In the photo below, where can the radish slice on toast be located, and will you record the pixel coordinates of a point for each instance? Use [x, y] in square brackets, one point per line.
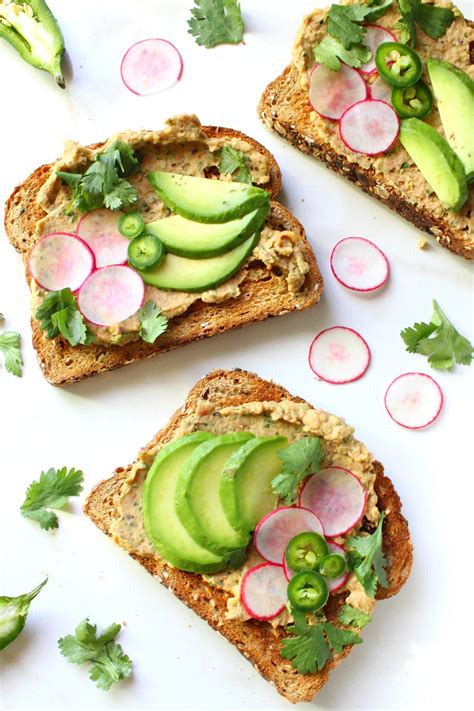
[381, 91]
[374, 36]
[100, 230]
[277, 528]
[333, 584]
[370, 127]
[339, 355]
[151, 66]
[337, 498]
[331, 93]
[111, 295]
[60, 260]
[358, 264]
[263, 591]
[414, 400]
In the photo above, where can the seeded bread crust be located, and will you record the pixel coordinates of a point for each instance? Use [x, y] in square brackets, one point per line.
[262, 295]
[257, 641]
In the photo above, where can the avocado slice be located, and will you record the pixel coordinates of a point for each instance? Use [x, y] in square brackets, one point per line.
[438, 163]
[162, 525]
[195, 275]
[454, 91]
[198, 502]
[245, 486]
[197, 240]
[204, 199]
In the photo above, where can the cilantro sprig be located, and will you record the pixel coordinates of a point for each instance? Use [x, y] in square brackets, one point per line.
[51, 491]
[108, 663]
[216, 22]
[233, 162]
[10, 347]
[439, 341]
[152, 322]
[353, 617]
[300, 459]
[433, 20]
[59, 315]
[367, 560]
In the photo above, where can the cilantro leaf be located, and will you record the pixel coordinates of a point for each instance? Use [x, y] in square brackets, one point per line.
[353, 617]
[10, 347]
[51, 491]
[152, 323]
[377, 9]
[300, 459]
[108, 662]
[216, 22]
[233, 161]
[433, 20]
[331, 52]
[439, 341]
[59, 314]
[366, 559]
[342, 23]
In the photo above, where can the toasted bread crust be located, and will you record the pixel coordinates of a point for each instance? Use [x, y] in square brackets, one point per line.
[257, 641]
[62, 363]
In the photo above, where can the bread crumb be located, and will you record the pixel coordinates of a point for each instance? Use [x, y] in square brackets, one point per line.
[422, 242]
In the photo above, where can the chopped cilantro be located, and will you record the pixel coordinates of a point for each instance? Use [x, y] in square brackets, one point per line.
[404, 165]
[366, 559]
[216, 22]
[59, 315]
[300, 459]
[331, 52]
[235, 163]
[353, 617]
[51, 491]
[433, 20]
[10, 347]
[152, 323]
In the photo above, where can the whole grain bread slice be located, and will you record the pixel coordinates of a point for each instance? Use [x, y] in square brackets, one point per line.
[257, 641]
[263, 293]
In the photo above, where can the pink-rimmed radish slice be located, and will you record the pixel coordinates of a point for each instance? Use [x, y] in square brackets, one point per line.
[276, 529]
[61, 260]
[337, 498]
[111, 295]
[263, 591]
[414, 400]
[150, 66]
[370, 127]
[374, 36]
[381, 91]
[359, 265]
[339, 355]
[333, 584]
[100, 230]
[331, 93]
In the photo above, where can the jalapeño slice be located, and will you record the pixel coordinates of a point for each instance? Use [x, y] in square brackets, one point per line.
[145, 251]
[398, 64]
[413, 101]
[305, 551]
[332, 565]
[308, 591]
[131, 225]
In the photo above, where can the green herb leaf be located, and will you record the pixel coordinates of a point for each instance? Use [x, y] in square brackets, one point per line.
[366, 559]
[108, 662]
[377, 9]
[300, 459]
[10, 347]
[59, 314]
[51, 491]
[216, 22]
[331, 52]
[342, 23]
[13, 614]
[439, 341]
[152, 323]
[433, 20]
[234, 162]
[353, 617]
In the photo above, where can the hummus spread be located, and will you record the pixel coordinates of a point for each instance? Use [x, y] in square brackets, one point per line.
[294, 421]
[182, 147]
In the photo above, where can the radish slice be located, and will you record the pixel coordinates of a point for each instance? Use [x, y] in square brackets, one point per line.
[60, 260]
[277, 528]
[333, 584]
[100, 230]
[151, 66]
[370, 127]
[381, 91]
[358, 264]
[374, 36]
[263, 591]
[111, 295]
[339, 355]
[337, 498]
[331, 93]
[414, 400]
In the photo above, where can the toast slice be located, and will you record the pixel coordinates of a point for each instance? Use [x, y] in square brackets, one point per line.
[258, 642]
[393, 179]
[263, 293]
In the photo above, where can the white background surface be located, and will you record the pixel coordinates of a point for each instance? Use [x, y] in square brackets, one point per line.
[415, 652]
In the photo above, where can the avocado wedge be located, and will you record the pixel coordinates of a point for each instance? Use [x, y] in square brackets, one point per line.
[438, 163]
[204, 199]
[454, 91]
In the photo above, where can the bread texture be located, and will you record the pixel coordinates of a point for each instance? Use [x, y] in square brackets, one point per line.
[257, 641]
[262, 295]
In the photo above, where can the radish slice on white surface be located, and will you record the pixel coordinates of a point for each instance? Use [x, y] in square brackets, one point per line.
[333, 584]
[358, 264]
[60, 260]
[370, 127]
[414, 400]
[151, 66]
[277, 528]
[331, 93]
[381, 91]
[111, 295]
[374, 36]
[339, 355]
[100, 230]
[337, 498]
[263, 591]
